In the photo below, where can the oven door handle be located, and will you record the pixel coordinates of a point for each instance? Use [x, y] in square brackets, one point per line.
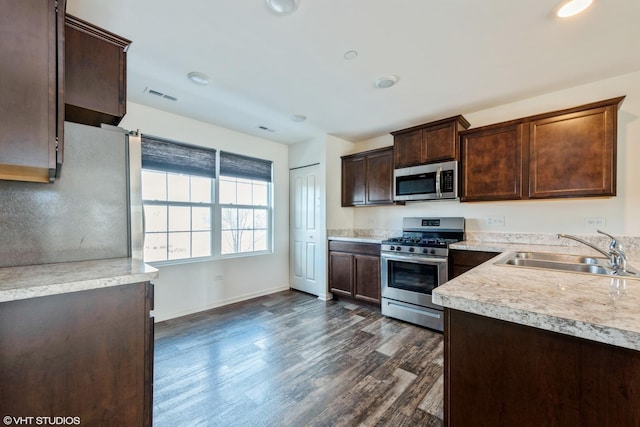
[414, 258]
[438, 189]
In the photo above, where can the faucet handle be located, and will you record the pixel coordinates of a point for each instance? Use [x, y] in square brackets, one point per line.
[614, 242]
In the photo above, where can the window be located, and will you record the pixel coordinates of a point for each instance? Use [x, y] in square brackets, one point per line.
[245, 204]
[191, 214]
[178, 212]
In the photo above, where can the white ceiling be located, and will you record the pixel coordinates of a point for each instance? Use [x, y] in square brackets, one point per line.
[452, 57]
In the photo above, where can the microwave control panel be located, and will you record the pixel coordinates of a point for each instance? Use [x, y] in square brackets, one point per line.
[446, 183]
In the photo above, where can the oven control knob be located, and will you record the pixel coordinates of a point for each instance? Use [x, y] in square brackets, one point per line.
[425, 251]
[398, 248]
[433, 251]
[392, 248]
[411, 249]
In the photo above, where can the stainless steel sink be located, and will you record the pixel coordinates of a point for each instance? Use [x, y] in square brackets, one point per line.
[564, 262]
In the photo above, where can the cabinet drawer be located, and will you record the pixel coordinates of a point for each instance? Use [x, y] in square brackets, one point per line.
[355, 247]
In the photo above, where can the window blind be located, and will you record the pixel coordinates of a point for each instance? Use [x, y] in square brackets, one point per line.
[170, 156]
[245, 167]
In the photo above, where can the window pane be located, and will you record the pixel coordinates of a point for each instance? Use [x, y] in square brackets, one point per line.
[179, 218]
[260, 193]
[178, 187]
[201, 244]
[260, 240]
[179, 245]
[155, 218]
[155, 247]
[246, 240]
[260, 218]
[244, 193]
[229, 242]
[154, 185]
[229, 218]
[200, 189]
[245, 218]
[200, 218]
[227, 192]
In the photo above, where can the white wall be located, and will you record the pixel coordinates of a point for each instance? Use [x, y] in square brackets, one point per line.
[622, 212]
[188, 288]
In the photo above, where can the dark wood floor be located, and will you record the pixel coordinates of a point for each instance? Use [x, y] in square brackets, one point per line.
[288, 359]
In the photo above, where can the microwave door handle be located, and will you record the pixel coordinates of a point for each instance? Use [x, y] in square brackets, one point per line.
[438, 189]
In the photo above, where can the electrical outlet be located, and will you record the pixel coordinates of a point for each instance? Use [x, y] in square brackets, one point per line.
[371, 221]
[595, 222]
[218, 277]
[495, 221]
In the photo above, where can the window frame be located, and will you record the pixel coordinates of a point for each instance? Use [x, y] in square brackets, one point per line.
[170, 203]
[270, 220]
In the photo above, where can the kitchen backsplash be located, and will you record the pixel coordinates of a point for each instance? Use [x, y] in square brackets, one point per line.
[631, 244]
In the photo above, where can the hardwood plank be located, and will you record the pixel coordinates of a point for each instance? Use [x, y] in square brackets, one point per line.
[289, 359]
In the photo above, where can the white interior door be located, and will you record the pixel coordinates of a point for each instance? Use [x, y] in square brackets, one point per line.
[306, 251]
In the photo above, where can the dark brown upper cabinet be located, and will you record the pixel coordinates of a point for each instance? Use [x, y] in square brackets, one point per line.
[31, 109]
[367, 178]
[567, 153]
[492, 166]
[574, 154]
[95, 74]
[428, 143]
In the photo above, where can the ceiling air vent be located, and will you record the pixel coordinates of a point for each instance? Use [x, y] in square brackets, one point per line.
[266, 129]
[160, 94]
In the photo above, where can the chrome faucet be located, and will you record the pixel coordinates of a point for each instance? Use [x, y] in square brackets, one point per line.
[617, 257]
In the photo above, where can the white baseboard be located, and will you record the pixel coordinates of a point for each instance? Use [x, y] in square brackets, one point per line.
[239, 298]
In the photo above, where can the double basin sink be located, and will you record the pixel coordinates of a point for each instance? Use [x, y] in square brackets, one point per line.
[563, 262]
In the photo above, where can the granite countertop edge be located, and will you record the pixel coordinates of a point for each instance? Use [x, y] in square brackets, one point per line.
[356, 239]
[31, 281]
[597, 308]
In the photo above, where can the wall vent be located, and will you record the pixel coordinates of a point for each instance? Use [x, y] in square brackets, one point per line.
[160, 94]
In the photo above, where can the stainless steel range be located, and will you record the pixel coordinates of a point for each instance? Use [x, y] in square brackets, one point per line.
[413, 265]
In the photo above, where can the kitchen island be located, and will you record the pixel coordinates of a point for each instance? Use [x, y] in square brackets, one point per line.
[76, 342]
[535, 347]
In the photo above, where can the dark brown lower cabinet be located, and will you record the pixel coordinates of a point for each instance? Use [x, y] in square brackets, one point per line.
[354, 270]
[85, 354]
[461, 261]
[499, 373]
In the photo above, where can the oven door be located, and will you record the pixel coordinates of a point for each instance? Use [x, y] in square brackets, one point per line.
[412, 278]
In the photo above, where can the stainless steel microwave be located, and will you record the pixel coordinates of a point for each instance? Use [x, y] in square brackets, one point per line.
[436, 181]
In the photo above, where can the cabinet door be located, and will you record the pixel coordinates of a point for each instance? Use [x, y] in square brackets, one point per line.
[573, 154]
[407, 147]
[30, 84]
[367, 278]
[92, 349]
[439, 143]
[353, 181]
[492, 164]
[95, 74]
[379, 177]
[341, 273]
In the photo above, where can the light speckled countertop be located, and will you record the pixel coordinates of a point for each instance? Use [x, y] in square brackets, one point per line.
[598, 308]
[32, 281]
[357, 239]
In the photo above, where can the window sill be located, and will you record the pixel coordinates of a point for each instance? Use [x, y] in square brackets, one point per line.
[206, 259]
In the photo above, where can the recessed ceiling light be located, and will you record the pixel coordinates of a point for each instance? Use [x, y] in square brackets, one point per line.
[350, 54]
[283, 7]
[298, 117]
[573, 7]
[386, 81]
[198, 78]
